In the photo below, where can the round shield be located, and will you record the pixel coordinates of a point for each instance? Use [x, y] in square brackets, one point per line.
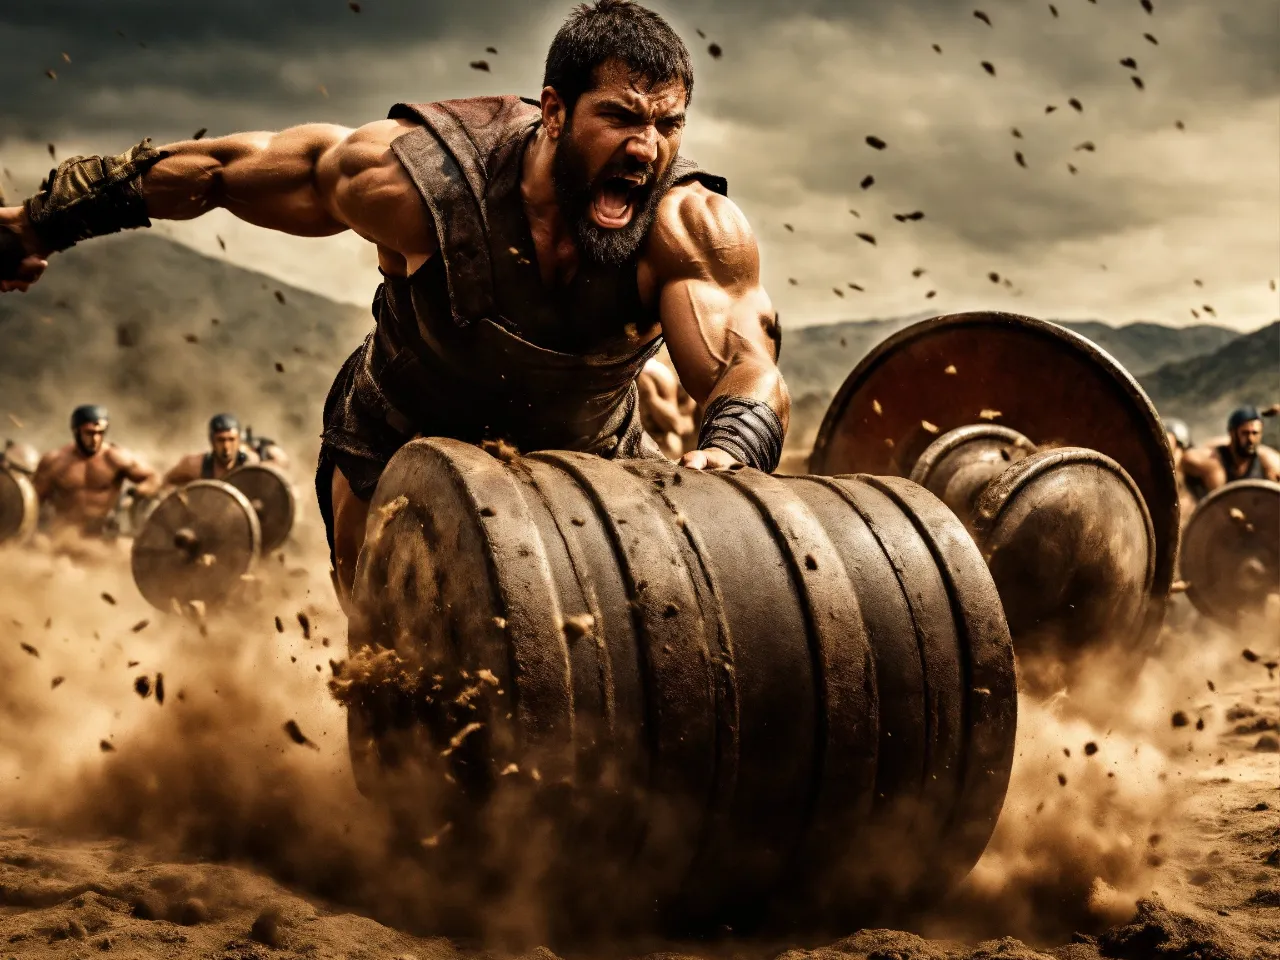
[196, 545]
[1231, 550]
[19, 506]
[1053, 386]
[271, 495]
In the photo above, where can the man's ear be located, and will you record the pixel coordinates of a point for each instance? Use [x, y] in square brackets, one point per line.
[554, 113]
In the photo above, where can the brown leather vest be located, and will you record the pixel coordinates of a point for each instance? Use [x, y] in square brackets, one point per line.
[474, 345]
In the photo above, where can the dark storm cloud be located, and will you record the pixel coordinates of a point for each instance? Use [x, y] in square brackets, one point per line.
[784, 114]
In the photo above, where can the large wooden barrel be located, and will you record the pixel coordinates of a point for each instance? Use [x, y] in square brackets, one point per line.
[681, 696]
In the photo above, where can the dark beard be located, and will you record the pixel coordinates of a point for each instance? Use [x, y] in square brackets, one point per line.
[574, 193]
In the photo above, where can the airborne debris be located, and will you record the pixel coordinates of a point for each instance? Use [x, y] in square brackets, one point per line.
[28, 648]
[909, 217]
[1146, 5]
[987, 66]
[1249, 655]
[950, 369]
[1129, 62]
[931, 427]
[106, 746]
[983, 17]
[279, 296]
[936, 48]
[1137, 82]
[1179, 719]
[109, 598]
[160, 689]
[789, 228]
[305, 622]
[354, 6]
[51, 74]
[993, 277]
[142, 686]
[456, 741]
[493, 50]
[57, 682]
[140, 626]
[1090, 749]
[867, 181]
[1086, 145]
[297, 736]
[1076, 105]
[990, 415]
[867, 237]
[1151, 40]
[1022, 161]
[279, 367]
[876, 143]
[1053, 10]
[199, 133]
[715, 50]
[579, 625]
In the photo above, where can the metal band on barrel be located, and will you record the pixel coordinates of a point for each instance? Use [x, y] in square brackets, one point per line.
[746, 429]
[92, 196]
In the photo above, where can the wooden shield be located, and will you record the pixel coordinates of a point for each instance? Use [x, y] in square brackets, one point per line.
[1051, 385]
[196, 545]
[271, 495]
[19, 506]
[1231, 550]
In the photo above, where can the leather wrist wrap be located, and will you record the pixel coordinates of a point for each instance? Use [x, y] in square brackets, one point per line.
[91, 197]
[743, 428]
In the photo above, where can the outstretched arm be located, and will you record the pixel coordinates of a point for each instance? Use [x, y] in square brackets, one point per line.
[312, 181]
[718, 321]
[145, 479]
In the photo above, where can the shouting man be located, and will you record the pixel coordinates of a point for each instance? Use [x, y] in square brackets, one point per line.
[225, 454]
[535, 255]
[82, 481]
[1242, 457]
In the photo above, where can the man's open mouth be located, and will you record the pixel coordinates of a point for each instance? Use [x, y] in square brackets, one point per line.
[617, 199]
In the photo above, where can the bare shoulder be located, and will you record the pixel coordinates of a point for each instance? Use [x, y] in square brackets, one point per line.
[1199, 457]
[698, 232]
[54, 459]
[119, 457]
[367, 188]
[1270, 458]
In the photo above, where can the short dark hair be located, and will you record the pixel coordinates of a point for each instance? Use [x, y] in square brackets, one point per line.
[614, 29]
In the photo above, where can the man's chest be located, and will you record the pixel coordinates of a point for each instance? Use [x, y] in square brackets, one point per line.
[96, 473]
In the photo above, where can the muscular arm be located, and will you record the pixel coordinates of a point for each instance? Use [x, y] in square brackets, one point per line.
[144, 478]
[314, 180]
[43, 479]
[1270, 463]
[717, 319]
[184, 471]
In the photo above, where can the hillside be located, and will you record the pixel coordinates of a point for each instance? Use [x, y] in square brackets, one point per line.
[165, 337]
[1204, 390]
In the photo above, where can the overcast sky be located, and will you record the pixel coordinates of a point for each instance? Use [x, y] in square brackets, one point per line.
[784, 114]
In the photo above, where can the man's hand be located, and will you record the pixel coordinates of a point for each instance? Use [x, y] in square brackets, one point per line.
[712, 458]
[20, 262]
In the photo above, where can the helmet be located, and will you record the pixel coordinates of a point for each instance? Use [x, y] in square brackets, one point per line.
[224, 422]
[1181, 432]
[88, 413]
[21, 456]
[1240, 416]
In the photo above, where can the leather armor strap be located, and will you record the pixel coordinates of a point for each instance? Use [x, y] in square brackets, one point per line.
[746, 429]
[92, 196]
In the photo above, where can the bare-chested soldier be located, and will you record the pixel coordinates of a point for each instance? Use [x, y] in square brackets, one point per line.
[82, 481]
[225, 454]
[535, 255]
[666, 410]
[1240, 457]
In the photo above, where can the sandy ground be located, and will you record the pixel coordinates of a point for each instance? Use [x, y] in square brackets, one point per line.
[1143, 819]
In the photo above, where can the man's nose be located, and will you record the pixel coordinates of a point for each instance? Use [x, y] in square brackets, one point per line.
[644, 145]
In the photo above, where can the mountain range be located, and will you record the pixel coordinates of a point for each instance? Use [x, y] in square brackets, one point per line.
[167, 336]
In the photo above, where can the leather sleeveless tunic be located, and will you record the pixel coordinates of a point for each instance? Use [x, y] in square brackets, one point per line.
[1255, 471]
[207, 464]
[474, 345]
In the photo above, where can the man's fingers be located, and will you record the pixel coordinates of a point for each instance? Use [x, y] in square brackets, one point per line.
[28, 272]
[694, 460]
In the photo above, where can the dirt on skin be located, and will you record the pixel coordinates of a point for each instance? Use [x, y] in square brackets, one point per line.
[224, 822]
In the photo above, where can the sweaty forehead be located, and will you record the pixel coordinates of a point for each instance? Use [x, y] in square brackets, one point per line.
[617, 83]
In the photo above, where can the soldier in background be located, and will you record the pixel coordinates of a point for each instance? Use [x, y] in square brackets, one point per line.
[226, 452]
[1238, 456]
[82, 481]
[667, 412]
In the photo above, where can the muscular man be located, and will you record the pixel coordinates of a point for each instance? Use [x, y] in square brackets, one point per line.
[225, 454]
[1241, 457]
[525, 317]
[82, 481]
[666, 410]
